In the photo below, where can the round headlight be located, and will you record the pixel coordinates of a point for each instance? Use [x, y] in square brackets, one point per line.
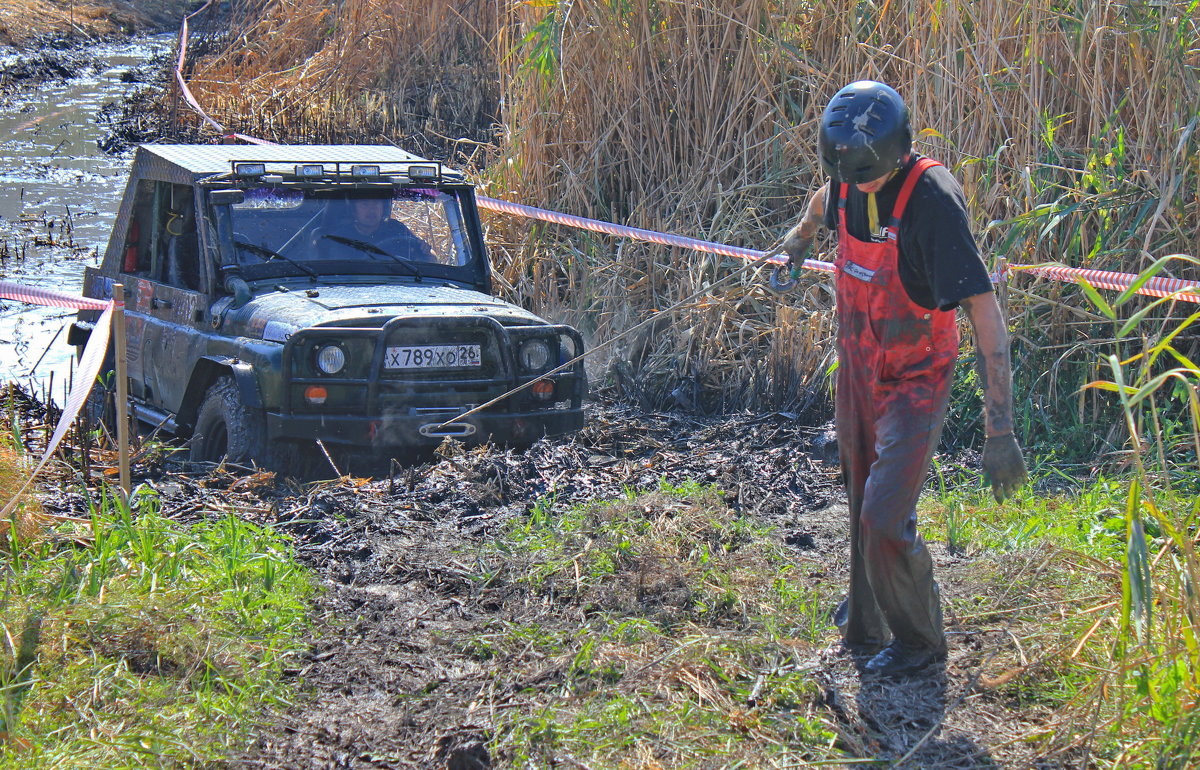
[535, 354]
[330, 359]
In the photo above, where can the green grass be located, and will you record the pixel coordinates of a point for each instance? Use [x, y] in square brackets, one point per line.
[133, 641]
[679, 551]
[1088, 518]
[677, 699]
[1093, 590]
[697, 636]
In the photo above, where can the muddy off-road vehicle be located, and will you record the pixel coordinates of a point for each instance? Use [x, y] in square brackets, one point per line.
[279, 295]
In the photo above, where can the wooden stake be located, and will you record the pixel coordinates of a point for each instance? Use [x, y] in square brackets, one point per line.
[118, 332]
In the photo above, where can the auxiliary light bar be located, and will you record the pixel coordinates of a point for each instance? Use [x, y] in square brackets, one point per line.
[249, 169]
[423, 173]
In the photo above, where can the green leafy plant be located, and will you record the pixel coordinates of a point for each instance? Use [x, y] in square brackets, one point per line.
[168, 640]
[1153, 655]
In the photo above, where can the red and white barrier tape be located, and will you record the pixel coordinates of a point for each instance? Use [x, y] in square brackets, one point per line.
[48, 297]
[651, 236]
[85, 374]
[183, 87]
[187, 92]
[1179, 289]
[1158, 286]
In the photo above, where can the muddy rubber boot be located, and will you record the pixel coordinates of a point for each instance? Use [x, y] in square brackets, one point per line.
[854, 646]
[899, 659]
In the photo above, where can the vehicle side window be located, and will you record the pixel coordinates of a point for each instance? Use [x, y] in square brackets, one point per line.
[139, 254]
[177, 237]
[161, 242]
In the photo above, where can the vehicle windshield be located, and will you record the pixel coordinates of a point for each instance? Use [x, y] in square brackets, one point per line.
[411, 231]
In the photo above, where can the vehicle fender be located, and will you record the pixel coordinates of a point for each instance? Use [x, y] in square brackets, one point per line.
[206, 372]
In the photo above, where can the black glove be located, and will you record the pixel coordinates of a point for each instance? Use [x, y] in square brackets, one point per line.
[1003, 465]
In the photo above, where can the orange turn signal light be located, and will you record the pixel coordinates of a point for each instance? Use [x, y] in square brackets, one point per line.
[543, 389]
[315, 394]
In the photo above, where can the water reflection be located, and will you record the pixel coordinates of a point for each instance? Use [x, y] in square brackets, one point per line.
[58, 199]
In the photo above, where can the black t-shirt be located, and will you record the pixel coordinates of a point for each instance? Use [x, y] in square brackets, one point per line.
[939, 261]
[393, 237]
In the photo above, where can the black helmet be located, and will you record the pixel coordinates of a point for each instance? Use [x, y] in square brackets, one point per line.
[864, 133]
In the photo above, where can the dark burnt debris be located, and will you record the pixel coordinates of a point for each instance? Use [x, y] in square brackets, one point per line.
[45, 66]
[141, 116]
[402, 556]
[134, 120]
[765, 465]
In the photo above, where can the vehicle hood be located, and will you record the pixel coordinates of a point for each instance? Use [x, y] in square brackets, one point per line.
[275, 314]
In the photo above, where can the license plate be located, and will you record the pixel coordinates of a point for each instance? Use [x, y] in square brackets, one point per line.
[433, 357]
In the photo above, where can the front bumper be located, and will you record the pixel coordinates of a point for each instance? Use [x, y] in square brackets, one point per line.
[373, 407]
[407, 431]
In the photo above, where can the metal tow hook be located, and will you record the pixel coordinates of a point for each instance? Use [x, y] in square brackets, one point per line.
[778, 284]
[796, 247]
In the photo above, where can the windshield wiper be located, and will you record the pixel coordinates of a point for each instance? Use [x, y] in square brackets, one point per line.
[373, 249]
[263, 251]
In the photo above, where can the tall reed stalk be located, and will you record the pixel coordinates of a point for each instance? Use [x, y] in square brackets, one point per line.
[1071, 126]
[1148, 692]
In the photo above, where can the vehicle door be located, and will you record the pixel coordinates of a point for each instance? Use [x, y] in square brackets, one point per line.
[136, 272]
[169, 300]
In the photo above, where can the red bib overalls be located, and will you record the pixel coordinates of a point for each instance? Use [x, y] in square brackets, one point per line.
[896, 361]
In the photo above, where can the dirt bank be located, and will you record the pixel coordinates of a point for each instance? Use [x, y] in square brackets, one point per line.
[27, 24]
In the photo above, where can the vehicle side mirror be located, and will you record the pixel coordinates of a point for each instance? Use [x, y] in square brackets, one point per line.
[226, 197]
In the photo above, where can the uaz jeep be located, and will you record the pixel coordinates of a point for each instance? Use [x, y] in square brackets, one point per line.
[284, 294]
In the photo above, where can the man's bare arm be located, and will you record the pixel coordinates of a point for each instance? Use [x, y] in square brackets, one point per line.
[799, 238]
[992, 361]
[1003, 463]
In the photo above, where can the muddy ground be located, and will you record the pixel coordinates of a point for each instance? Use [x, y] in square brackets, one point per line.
[388, 682]
[54, 43]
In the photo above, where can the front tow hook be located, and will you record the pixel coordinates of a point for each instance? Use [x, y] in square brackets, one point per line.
[451, 430]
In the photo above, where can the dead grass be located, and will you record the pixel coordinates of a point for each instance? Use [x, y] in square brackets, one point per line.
[384, 71]
[1066, 126]
[23, 22]
[27, 520]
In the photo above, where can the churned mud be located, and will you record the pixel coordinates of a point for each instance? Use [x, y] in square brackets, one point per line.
[408, 579]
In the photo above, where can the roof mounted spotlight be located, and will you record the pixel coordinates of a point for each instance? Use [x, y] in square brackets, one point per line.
[424, 173]
[249, 169]
[310, 170]
[371, 170]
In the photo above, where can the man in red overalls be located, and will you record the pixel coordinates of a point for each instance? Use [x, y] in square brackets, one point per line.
[906, 259]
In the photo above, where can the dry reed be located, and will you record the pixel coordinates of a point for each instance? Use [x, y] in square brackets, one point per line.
[25, 22]
[1071, 128]
[26, 519]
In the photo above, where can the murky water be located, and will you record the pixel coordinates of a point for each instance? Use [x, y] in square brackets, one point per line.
[58, 199]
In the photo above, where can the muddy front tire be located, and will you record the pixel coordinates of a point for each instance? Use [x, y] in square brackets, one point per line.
[227, 429]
